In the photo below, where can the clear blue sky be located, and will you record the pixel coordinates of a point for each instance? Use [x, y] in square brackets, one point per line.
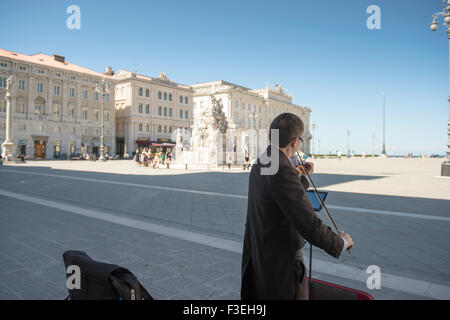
[321, 51]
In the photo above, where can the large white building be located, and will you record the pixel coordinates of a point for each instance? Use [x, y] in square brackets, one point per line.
[149, 111]
[56, 110]
[251, 109]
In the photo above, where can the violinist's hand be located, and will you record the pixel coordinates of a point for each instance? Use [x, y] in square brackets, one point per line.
[309, 166]
[347, 238]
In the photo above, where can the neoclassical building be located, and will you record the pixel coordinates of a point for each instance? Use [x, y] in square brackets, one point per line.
[149, 111]
[251, 109]
[56, 110]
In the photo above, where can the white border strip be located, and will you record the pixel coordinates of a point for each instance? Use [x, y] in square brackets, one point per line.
[412, 286]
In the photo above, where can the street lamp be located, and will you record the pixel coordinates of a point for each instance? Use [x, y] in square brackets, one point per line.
[348, 143]
[445, 13]
[102, 88]
[313, 137]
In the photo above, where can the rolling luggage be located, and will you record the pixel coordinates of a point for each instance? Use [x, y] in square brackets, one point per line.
[102, 281]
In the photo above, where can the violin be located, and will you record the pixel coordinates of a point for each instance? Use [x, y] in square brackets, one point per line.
[305, 172]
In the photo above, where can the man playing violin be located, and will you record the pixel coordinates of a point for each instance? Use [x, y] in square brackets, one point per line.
[279, 220]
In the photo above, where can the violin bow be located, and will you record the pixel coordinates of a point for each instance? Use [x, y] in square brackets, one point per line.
[330, 218]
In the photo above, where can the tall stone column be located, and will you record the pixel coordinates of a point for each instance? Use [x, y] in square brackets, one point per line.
[9, 147]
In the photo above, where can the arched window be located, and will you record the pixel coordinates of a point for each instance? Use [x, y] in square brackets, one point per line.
[159, 128]
[186, 114]
[181, 99]
[159, 111]
[170, 97]
[39, 106]
[170, 129]
[159, 95]
[140, 126]
[170, 112]
[165, 129]
[186, 100]
[165, 111]
[165, 95]
[140, 92]
[147, 93]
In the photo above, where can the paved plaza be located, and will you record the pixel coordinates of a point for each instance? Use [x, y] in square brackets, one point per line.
[181, 231]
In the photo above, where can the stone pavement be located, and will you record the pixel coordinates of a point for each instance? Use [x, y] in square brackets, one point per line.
[34, 236]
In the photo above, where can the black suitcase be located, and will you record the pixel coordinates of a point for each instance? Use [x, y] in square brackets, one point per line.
[102, 281]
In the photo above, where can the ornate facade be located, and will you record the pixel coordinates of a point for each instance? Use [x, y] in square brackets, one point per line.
[250, 109]
[150, 110]
[56, 111]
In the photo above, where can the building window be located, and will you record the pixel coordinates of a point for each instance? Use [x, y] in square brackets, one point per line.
[23, 68]
[140, 108]
[40, 87]
[147, 127]
[22, 127]
[40, 128]
[186, 100]
[84, 114]
[159, 128]
[140, 92]
[181, 114]
[259, 109]
[186, 114]
[72, 77]
[107, 116]
[108, 132]
[165, 96]
[159, 111]
[57, 90]
[248, 107]
[72, 112]
[106, 97]
[20, 107]
[140, 127]
[159, 95]
[147, 108]
[72, 92]
[96, 116]
[165, 129]
[21, 84]
[3, 65]
[2, 82]
[85, 94]
[236, 119]
[170, 97]
[57, 129]
[170, 129]
[254, 108]
[40, 71]
[38, 109]
[236, 104]
[165, 111]
[181, 99]
[96, 96]
[170, 112]
[56, 110]
[2, 105]
[243, 106]
[72, 130]
[147, 93]
[97, 132]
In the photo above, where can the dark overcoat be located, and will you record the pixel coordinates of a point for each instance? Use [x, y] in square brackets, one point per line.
[279, 219]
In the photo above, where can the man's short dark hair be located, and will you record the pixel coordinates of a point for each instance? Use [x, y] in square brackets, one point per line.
[289, 126]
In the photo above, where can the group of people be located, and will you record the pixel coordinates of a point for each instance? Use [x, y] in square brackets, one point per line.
[147, 158]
